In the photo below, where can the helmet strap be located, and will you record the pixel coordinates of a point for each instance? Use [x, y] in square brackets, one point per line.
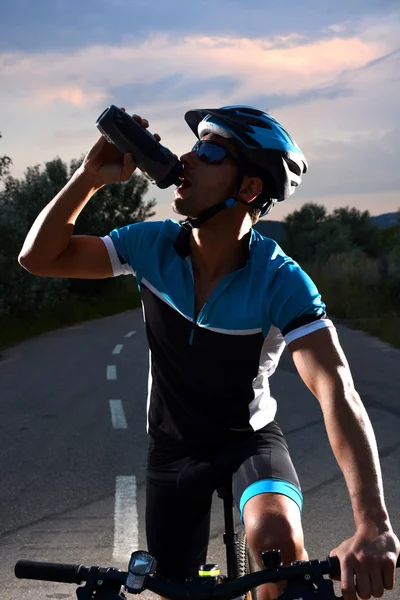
[181, 244]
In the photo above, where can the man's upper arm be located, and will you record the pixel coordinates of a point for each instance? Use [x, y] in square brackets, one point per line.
[85, 257]
[295, 305]
[297, 309]
[322, 364]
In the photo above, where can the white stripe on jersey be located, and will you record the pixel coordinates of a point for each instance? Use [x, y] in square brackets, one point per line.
[117, 267]
[306, 329]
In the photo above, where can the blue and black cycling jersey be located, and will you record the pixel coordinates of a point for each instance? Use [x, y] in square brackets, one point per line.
[209, 374]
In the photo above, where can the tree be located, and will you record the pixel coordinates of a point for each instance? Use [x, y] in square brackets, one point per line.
[308, 216]
[114, 205]
[311, 235]
[21, 201]
[364, 233]
[5, 162]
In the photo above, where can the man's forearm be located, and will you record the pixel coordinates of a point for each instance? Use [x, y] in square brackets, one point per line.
[353, 442]
[51, 232]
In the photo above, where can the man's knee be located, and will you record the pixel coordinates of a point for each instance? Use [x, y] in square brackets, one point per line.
[272, 521]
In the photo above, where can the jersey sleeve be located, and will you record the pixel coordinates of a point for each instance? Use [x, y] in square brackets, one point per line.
[129, 247]
[296, 306]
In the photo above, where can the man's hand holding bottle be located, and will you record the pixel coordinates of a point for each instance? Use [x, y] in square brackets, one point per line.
[105, 164]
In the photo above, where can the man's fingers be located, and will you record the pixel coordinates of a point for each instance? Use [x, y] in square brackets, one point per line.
[129, 160]
[128, 167]
[363, 582]
[376, 577]
[143, 122]
[347, 582]
[157, 136]
[389, 574]
[97, 148]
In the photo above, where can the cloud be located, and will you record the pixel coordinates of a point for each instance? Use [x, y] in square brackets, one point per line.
[337, 95]
[363, 164]
[274, 101]
[253, 66]
[41, 25]
[176, 86]
[69, 95]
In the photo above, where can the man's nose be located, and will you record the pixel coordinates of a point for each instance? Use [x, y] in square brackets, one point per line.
[189, 159]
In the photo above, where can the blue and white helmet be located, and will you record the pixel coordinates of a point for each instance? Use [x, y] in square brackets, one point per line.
[260, 138]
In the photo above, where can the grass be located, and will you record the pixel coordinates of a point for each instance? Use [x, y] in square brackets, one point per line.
[371, 307]
[15, 329]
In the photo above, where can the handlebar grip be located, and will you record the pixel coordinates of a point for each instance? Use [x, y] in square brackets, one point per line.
[47, 571]
[334, 565]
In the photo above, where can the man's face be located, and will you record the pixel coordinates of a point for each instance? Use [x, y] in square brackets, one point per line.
[205, 184]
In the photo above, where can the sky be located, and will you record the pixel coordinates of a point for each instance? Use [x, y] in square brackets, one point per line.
[328, 71]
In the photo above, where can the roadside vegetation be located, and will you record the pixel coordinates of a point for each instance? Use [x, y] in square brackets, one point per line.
[30, 305]
[355, 265]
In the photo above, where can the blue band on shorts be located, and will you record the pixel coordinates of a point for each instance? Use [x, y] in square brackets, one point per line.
[277, 486]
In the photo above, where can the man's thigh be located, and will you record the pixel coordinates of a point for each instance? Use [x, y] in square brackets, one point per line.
[178, 511]
[264, 466]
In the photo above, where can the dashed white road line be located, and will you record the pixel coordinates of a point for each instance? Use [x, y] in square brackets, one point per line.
[117, 348]
[111, 372]
[130, 334]
[118, 414]
[126, 533]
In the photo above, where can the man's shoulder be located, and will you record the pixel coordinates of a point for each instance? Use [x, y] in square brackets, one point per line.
[169, 228]
[269, 252]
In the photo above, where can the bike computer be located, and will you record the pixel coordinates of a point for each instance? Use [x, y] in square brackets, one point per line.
[141, 565]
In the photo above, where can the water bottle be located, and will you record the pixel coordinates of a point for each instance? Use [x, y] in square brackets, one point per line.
[156, 162]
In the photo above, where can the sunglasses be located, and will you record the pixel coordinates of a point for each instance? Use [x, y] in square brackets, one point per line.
[211, 152]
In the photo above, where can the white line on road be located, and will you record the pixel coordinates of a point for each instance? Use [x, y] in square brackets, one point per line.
[111, 372]
[117, 348]
[130, 334]
[118, 415]
[126, 534]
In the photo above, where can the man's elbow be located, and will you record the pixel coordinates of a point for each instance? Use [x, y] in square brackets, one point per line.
[28, 264]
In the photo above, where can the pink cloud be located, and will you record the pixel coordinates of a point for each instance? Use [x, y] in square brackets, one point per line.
[70, 95]
[259, 65]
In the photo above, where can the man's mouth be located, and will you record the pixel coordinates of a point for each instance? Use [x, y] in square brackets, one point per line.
[185, 183]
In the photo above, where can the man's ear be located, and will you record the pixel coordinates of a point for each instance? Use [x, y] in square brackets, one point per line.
[251, 188]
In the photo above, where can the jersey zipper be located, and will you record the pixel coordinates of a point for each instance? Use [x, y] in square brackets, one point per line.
[213, 296]
[225, 281]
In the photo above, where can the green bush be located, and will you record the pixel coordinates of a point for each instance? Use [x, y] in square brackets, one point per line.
[122, 294]
[21, 200]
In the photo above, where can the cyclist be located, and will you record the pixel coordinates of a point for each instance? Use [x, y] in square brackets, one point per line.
[220, 302]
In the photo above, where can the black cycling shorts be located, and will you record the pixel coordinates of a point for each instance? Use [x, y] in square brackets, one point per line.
[180, 485]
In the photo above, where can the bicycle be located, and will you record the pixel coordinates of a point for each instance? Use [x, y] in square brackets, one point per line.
[305, 579]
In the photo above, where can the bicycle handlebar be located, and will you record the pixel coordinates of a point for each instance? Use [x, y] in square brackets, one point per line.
[192, 589]
[48, 571]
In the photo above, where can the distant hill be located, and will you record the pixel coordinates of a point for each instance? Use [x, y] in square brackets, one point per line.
[386, 220]
[276, 229]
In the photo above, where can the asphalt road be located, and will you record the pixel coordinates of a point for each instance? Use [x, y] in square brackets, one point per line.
[61, 455]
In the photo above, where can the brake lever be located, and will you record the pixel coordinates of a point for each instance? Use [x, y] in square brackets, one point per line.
[311, 586]
[95, 587]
